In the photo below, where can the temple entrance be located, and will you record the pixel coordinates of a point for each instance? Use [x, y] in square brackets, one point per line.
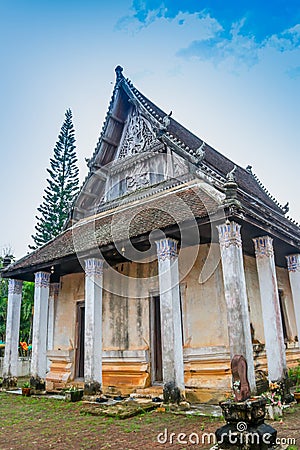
[79, 362]
[156, 344]
[283, 315]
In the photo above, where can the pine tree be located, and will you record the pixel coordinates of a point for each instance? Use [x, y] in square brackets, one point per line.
[63, 185]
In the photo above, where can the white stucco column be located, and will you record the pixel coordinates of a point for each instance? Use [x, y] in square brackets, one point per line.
[39, 328]
[53, 294]
[170, 311]
[274, 340]
[10, 363]
[293, 263]
[93, 321]
[238, 319]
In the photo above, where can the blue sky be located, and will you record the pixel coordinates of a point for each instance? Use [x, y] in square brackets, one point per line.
[229, 71]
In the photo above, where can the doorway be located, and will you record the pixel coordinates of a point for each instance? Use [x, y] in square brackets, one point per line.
[283, 315]
[156, 342]
[79, 361]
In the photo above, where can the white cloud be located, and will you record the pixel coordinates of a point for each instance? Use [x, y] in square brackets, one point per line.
[196, 25]
[288, 40]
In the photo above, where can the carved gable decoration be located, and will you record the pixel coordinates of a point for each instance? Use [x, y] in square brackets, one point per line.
[137, 181]
[139, 136]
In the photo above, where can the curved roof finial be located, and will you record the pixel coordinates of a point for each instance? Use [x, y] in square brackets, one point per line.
[119, 71]
[230, 177]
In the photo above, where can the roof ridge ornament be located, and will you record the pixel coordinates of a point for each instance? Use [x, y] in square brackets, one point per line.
[200, 152]
[166, 120]
[119, 74]
[231, 201]
[286, 208]
[163, 127]
[230, 177]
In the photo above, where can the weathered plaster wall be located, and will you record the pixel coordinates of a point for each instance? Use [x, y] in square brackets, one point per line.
[204, 307]
[206, 352]
[71, 291]
[23, 366]
[126, 321]
[126, 318]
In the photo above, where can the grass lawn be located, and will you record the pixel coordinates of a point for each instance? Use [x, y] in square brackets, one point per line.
[43, 423]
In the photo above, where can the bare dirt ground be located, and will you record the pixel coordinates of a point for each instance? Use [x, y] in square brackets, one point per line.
[41, 423]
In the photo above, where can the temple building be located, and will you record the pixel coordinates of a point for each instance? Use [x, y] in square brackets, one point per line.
[173, 260]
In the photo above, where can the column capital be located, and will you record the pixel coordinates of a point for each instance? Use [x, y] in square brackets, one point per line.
[93, 267]
[229, 234]
[293, 263]
[42, 279]
[166, 249]
[263, 246]
[15, 287]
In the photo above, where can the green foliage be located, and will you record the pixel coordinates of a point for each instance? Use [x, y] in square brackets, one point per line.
[63, 186]
[26, 311]
[294, 375]
[72, 388]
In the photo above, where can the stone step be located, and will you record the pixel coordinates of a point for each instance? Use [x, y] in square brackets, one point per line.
[153, 391]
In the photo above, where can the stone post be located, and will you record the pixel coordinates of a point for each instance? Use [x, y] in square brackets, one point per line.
[274, 340]
[53, 294]
[93, 325]
[10, 364]
[39, 329]
[238, 319]
[170, 311]
[293, 263]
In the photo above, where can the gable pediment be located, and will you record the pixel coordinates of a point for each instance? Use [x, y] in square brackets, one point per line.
[139, 135]
[140, 146]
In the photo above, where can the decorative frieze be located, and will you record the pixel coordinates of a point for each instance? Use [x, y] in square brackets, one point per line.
[42, 279]
[15, 287]
[229, 234]
[166, 249]
[139, 136]
[293, 263]
[263, 247]
[137, 181]
[93, 267]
